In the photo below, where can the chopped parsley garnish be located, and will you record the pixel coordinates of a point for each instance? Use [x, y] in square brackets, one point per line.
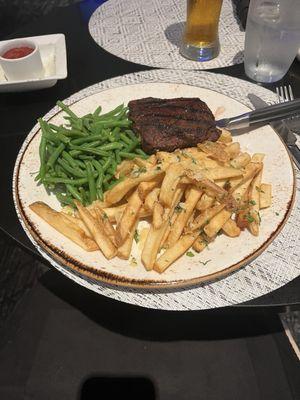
[133, 260]
[259, 217]
[104, 216]
[204, 262]
[249, 218]
[259, 189]
[139, 171]
[187, 155]
[158, 168]
[252, 202]
[136, 236]
[179, 208]
[277, 213]
[189, 254]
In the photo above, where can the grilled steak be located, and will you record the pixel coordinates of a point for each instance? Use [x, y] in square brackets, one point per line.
[170, 124]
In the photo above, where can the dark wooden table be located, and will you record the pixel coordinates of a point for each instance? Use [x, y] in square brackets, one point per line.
[65, 342]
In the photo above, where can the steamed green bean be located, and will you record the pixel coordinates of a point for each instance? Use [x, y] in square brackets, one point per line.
[79, 159]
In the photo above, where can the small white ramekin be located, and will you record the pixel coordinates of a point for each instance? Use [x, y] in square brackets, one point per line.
[28, 67]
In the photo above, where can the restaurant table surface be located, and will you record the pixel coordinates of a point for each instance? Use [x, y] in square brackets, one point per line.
[64, 341]
[87, 65]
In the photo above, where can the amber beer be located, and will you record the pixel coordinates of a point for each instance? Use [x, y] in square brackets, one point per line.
[200, 39]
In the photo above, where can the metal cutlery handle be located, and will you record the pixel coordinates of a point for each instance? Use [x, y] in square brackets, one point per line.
[268, 114]
[275, 112]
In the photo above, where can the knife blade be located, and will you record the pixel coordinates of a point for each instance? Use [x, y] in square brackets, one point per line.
[281, 128]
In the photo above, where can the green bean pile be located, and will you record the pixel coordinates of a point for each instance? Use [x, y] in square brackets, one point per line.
[78, 160]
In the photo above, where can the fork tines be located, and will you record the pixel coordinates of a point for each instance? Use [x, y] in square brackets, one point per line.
[284, 93]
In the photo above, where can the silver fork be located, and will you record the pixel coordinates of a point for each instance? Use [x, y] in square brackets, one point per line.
[284, 94]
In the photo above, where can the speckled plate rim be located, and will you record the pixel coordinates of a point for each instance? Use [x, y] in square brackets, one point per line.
[112, 279]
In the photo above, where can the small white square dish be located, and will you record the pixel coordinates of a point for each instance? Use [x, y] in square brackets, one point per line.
[54, 58]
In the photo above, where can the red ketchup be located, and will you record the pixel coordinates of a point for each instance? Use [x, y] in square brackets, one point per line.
[17, 52]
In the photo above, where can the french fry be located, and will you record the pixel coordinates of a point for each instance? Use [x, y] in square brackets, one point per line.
[205, 202]
[68, 210]
[165, 158]
[152, 159]
[225, 136]
[192, 217]
[128, 218]
[258, 157]
[124, 168]
[97, 203]
[145, 188]
[265, 195]
[115, 194]
[155, 236]
[205, 217]
[80, 223]
[125, 249]
[169, 183]
[97, 231]
[206, 162]
[241, 160]
[222, 173]
[140, 162]
[174, 252]
[215, 150]
[151, 199]
[254, 203]
[168, 230]
[187, 192]
[227, 184]
[107, 225]
[213, 190]
[184, 214]
[200, 243]
[233, 149]
[112, 212]
[148, 163]
[64, 225]
[152, 245]
[250, 171]
[158, 212]
[239, 192]
[216, 223]
[231, 229]
[144, 213]
[242, 216]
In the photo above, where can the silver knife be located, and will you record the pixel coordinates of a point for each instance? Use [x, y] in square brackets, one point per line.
[265, 115]
[280, 127]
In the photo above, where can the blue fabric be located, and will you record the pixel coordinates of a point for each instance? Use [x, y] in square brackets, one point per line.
[87, 7]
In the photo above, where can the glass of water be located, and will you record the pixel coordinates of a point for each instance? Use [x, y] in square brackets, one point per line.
[272, 38]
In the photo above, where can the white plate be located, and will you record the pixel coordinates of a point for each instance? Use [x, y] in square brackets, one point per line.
[225, 254]
[54, 59]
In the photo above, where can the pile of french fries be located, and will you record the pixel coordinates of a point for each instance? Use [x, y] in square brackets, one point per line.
[188, 196]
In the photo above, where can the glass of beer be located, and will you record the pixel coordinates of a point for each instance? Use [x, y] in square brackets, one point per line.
[200, 39]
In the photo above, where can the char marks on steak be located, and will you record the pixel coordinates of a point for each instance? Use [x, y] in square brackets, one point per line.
[170, 124]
